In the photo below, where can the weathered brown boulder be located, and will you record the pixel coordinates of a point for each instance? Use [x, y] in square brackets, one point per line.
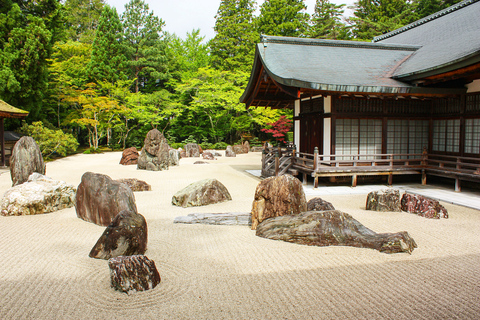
[39, 194]
[332, 228]
[26, 159]
[208, 156]
[129, 156]
[125, 236]
[229, 152]
[192, 150]
[99, 198]
[135, 184]
[238, 149]
[133, 273]
[278, 196]
[423, 206]
[246, 147]
[155, 153]
[201, 193]
[384, 200]
[318, 204]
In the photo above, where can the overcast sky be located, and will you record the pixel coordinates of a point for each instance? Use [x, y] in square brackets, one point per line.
[182, 16]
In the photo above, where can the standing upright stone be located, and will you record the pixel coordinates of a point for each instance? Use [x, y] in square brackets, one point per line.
[278, 196]
[155, 152]
[174, 157]
[229, 152]
[99, 198]
[26, 159]
[192, 150]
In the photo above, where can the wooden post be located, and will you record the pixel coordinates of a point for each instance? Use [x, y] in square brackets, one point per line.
[390, 179]
[2, 141]
[354, 180]
[264, 156]
[424, 178]
[315, 159]
[277, 163]
[458, 187]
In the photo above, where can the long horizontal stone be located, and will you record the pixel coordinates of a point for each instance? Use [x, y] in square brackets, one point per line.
[230, 218]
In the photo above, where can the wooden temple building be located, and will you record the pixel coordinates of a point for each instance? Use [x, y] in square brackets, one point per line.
[8, 111]
[406, 103]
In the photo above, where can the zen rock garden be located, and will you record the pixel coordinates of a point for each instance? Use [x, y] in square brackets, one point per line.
[279, 208]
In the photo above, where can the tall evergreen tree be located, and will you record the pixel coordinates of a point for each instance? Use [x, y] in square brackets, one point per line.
[425, 8]
[233, 46]
[326, 22]
[145, 47]
[27, 33]
[82, 17]
[108, 60]
[283, 18]
[376, 17]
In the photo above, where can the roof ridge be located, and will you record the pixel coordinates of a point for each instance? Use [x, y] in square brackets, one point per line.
[336, 43]
[426, 19]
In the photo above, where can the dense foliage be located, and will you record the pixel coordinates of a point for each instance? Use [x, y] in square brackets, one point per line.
[106, 80]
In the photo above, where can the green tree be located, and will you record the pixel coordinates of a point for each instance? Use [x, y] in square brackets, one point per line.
[376, 17]
[68, 71]
[25, 46]
[425, 8]
[283, 18]
[326, 21]
[96, 113]
[233, 46]
[145, 48]
[82, 17]
[185, 57]
[108, 60]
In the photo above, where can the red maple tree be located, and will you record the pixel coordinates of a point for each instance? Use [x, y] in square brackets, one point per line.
[279, 128]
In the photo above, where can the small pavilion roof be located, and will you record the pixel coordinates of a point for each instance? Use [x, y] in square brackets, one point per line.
[8, 111]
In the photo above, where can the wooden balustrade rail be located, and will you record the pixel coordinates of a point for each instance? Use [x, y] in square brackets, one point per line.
[280, 161]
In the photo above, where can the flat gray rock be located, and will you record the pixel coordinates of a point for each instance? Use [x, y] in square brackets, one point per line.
[231, 218]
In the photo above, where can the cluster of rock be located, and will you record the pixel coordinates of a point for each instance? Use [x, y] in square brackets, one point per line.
[279, 212]
[201, 193]
[123, 243]
[389, 200]
[32, 192]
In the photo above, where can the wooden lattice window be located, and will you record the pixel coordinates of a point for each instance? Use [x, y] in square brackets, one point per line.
[472, 136]
[446, 135]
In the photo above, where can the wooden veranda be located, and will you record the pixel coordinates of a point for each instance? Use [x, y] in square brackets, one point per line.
[279, 161]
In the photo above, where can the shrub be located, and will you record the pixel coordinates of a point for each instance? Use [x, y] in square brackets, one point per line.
[220, 146]
[50, 141]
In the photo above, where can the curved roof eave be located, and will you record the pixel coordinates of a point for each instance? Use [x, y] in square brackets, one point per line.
[466, 61]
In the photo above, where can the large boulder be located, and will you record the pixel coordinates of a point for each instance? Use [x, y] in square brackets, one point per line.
[207, 155]
[26, 159]
[229, 152]
[201, 193]
[135, 184]
[278, 196]
[99, 198]
[39, 194]
[238, 149]
[129, 156]
[318, 204]
[155, 154]
[192, 150]
[423, 206]
[332, 228]
[133, 273]
[246, 147]
[384, 200]
[125, 236]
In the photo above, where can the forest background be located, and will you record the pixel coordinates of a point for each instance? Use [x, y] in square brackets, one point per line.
[91, 77]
